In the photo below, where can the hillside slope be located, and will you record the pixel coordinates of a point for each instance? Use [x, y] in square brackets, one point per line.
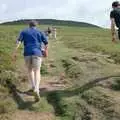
[80, 78]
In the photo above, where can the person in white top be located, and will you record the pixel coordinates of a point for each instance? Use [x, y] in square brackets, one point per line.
[54, 33]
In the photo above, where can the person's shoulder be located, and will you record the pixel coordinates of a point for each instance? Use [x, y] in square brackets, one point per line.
[38, 30]
[117, 10]
[112, 13]
[24, 30]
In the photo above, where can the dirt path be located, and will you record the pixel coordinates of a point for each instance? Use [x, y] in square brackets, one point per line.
[26, 115]
[26, 104]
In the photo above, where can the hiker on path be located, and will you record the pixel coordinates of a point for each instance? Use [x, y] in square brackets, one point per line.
[54, 33]
[48, 32]
[32, 39]
[115, 20]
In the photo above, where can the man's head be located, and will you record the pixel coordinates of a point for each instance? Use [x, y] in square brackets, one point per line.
[115, 4]
[33, 23]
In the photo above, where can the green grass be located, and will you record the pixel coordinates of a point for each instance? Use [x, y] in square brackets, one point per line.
[91, 39]
[86, 56]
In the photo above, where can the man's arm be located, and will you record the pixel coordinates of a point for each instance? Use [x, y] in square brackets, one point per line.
[45, 41]
[113, 29]
[18, 42]
[46, 50]
[17, 46]
[15, 50]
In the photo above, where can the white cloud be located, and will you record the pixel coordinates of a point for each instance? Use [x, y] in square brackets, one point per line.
[3, 7]
[92, 11]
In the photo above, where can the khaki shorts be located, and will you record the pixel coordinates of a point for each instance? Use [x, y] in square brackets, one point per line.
[33, 62]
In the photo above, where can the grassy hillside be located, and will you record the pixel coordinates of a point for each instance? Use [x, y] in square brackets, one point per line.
[80, 78]
[52, 22]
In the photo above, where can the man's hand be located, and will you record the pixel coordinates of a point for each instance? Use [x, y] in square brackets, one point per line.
[14, 56]
[46, 53]
[113, 38]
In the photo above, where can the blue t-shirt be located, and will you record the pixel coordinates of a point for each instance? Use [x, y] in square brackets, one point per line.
[32, 39]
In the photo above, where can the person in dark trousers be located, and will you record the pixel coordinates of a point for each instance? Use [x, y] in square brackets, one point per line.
[115, 20]
[48, 32]
[32, 39]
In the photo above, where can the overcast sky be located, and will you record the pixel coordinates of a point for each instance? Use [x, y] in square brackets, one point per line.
[91, 11]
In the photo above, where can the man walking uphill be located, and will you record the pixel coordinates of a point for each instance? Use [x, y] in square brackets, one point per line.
[32, 39]
[115, 19]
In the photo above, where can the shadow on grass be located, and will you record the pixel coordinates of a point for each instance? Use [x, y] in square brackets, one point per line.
[54, 97]
[76, 91]
[116, 85]
[26, 105]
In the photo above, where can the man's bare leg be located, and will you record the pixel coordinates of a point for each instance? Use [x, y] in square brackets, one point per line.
[31, 77]
[37, 79]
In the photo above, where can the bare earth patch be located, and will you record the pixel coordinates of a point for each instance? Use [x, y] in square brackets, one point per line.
[26, 115]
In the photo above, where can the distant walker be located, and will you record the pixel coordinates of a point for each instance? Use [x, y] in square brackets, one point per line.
[54, 33]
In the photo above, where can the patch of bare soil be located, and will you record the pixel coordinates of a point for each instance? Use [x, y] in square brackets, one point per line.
[26, 115]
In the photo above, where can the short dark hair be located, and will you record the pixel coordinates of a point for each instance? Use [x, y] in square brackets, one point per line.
[33, 23]
[115, 4]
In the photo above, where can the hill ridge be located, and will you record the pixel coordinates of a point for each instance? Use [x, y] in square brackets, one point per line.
[53, 22]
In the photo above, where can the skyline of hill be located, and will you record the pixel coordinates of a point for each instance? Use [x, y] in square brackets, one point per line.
[51, 22]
